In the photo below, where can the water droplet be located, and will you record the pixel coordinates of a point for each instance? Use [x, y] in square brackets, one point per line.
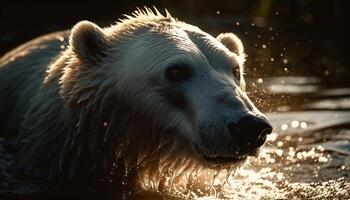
[303, 125]
[285, 61]
[322, 159]
[260, 80]
[288, 138]
[280, 143]
[300, 139]
[320, 148]
[279, 176]
[284, 127]
[264, 46]
[279, 152]
[294, 124]
[272, 137]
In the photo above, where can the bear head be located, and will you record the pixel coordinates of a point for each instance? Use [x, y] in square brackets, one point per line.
[155, 84]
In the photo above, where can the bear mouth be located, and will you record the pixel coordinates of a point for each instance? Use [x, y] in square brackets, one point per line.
[219, 160]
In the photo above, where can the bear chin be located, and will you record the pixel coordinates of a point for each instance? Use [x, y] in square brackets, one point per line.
[218, 161]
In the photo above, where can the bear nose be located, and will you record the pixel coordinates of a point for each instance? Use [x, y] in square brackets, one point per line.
[250, 130]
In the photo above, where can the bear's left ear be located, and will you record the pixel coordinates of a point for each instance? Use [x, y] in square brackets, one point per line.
[88, 42]
[231, 42]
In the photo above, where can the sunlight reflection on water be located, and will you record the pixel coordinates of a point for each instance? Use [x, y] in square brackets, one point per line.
[285, 169]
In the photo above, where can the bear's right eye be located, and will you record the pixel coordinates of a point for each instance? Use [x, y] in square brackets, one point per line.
[178, 73]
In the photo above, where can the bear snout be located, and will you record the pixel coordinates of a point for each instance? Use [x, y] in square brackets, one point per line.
[250, 131]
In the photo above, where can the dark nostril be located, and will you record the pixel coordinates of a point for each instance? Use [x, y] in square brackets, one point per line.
[250, 130]
[267, 130]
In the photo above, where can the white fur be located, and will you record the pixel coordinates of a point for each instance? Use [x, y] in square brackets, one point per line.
[66, 105]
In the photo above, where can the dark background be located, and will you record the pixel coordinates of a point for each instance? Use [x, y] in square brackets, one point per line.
[302, 37]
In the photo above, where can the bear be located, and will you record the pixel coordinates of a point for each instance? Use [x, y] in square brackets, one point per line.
[90, 107]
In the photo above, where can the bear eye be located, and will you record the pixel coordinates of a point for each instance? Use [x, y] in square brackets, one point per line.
[178, 73]
[236, 73]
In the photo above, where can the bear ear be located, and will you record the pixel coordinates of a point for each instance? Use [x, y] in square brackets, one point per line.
[88, 42]
[231, 42]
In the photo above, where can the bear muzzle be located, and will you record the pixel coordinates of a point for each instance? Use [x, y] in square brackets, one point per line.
[245, 137]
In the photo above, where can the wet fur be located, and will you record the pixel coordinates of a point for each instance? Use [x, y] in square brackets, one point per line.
[69, 119]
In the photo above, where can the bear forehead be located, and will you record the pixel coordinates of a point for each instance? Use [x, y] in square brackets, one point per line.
[173, 40]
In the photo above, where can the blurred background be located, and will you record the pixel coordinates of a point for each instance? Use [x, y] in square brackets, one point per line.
[294, 36]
